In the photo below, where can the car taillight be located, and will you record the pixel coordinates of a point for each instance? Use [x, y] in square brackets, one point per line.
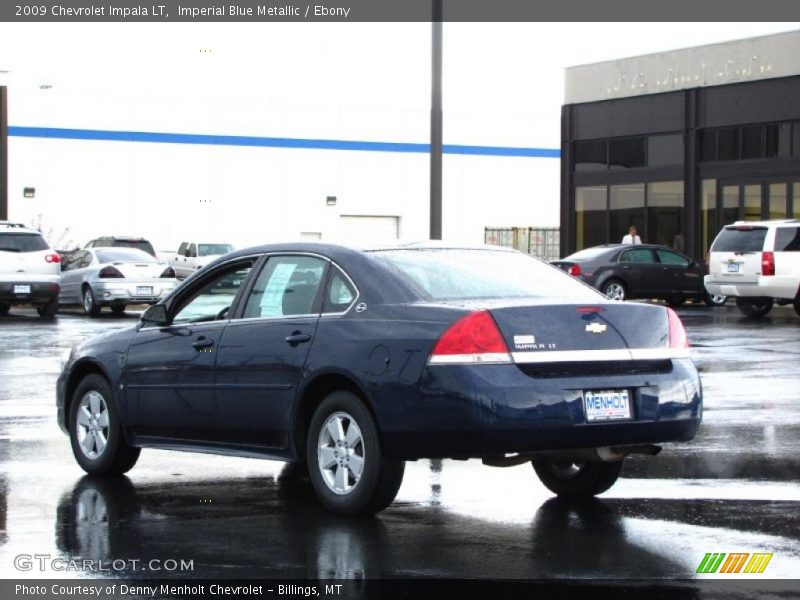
[472, 339]
[109, 272]
[677, 332]
[52, 258]
[574, 270]
[169, 272]
[767, 263]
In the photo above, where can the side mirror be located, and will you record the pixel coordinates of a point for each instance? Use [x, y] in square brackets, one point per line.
[154, 316]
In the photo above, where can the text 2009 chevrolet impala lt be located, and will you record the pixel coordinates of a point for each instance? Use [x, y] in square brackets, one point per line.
[353, 361]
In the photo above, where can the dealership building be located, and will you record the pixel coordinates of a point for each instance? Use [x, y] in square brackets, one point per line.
[681, 143]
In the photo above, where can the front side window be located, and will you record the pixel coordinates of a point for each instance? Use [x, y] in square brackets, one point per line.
[672, 258]
[287, 286]
[214, 298]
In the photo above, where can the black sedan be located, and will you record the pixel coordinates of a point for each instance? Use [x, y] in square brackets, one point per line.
[353, 361]
[625, 271]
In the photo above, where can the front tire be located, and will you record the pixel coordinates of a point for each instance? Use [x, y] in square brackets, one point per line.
[90, 305]
[118, 309]
[347, 466]
[615, 290]
[577, 481]
[4, 308]
[95, 430]
[755, 308]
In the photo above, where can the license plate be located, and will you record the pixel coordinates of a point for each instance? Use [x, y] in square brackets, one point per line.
[607, 405]
[733, 267]
[144, 290]
[22, 289]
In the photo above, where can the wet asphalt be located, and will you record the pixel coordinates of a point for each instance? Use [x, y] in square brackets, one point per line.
[735, 488]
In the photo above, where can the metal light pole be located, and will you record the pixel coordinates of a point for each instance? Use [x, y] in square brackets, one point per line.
[3, 153]
[436, 121]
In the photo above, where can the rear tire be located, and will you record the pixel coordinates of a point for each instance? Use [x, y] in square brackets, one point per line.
[577, 481]
[49, 310]
[675, 301]
[90, 305]
[755, 308]
[118, 309]
[714, 300]
[614, 289]
[347, 466]
[4, 308]
[95, 430]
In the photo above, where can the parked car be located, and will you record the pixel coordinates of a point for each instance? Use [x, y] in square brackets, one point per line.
[353, 361]
[623, 272]
[29, 270]
[758, 263]
[114, 277]
[192, 256]
[111, 241]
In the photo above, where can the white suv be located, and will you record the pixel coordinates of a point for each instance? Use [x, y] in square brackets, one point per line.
[758, 263]
[29, 270]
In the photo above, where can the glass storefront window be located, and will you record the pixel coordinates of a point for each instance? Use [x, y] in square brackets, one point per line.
[752, 202]
[730, 204]
[626, 154]
[796, 138]
[796, 200]
[751, 141]
[728, 144]
[665, 150]
[708, 213]
[591, 204]
[777, 201]
[591, 156]
[665, 214]
[626, 208]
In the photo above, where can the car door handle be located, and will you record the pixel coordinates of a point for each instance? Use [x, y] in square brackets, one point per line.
[202, 343]
[626, 267]
[298, 338]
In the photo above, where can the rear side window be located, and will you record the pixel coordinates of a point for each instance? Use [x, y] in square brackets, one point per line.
[740, 239]
[287, 286]
[787, 239]
[22, 242]
[339, 295]
[455, 274]
[671, 258]
[638, 255]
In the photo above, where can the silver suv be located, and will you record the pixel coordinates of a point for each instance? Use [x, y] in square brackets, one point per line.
[758, 263]
[29, 270]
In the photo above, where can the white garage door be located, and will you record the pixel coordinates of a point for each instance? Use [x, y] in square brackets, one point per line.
[360, 228]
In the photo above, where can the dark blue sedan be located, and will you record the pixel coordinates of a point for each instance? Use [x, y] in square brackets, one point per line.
[354, 361]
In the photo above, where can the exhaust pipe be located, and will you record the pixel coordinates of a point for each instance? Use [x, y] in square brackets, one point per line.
[603, 453]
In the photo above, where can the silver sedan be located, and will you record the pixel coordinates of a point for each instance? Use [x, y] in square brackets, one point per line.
[114, 277]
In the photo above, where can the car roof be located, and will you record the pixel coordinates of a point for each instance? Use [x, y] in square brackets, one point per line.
[10, 227]
[766, 223]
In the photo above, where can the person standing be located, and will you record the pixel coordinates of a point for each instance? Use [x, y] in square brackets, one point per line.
[632, 237]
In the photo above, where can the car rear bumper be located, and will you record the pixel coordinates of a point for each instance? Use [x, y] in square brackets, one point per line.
[130, 292]
[491, 410]
[769, 287]
[41, 290]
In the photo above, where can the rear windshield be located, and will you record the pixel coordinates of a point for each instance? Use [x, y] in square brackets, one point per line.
[111, 255]
[587, 254]
[213, 249]
[143, 245]
[740, 239]
[22, 242]
[454, 274]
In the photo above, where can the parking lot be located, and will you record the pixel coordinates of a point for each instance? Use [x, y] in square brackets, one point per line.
[733, 489]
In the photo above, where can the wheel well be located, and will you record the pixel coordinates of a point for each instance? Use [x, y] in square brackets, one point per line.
[313, 396]
[75, 378]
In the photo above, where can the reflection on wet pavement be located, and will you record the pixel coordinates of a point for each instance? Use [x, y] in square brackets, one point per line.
[735, 488]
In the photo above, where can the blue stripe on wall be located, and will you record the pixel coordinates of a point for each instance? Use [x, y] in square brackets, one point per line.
[270, 142]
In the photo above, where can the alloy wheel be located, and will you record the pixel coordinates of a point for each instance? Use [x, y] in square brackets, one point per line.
[93, 425]
[340, 453]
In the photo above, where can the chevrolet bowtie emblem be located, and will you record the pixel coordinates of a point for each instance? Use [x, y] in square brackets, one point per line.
[596, 328]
